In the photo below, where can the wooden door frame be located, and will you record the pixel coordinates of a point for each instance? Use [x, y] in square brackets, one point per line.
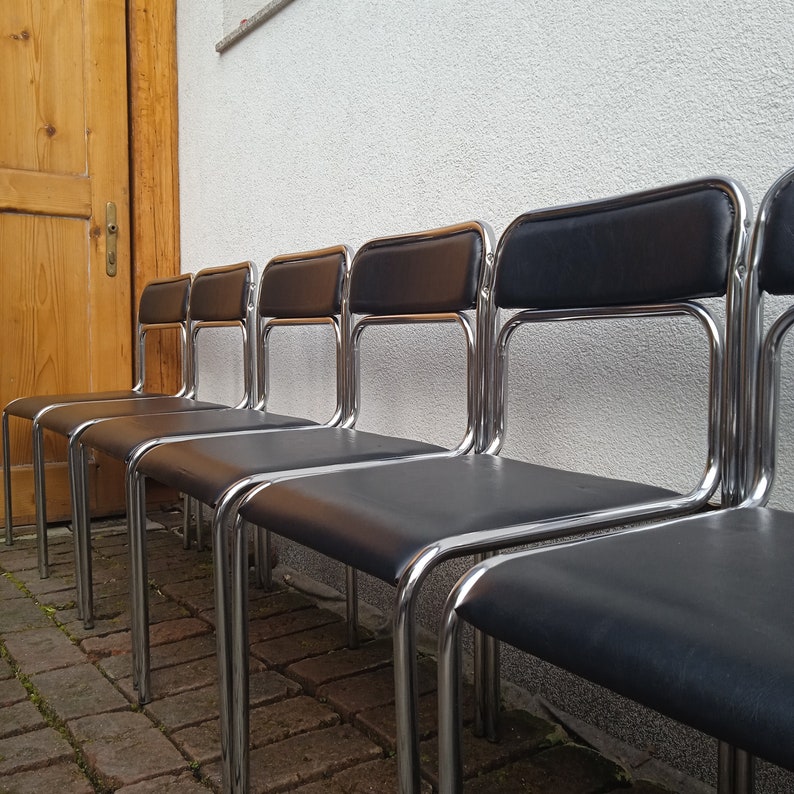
[154, 141]
[154, 199]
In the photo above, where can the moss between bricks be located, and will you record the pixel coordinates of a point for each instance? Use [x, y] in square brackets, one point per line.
[54, 722]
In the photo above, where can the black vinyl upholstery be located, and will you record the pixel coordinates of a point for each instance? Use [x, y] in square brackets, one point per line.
[776, 265]
[377, 519]
[120, 437]
[306, 285]
[66, 418]
[303, 287]
[205, 468]
[436, 271]
[437, 274]
[220, 295]
[397, 521]
[164, 301]
[693, 619]
[664, 249]
[28, 407]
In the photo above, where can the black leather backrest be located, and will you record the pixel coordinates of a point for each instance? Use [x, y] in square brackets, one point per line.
[304, 285]
[776, 262]
[165, 301]
[221, 294]
[654, 248]
[437, 271]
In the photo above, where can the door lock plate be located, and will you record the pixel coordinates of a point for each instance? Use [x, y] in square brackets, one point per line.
[111, 239]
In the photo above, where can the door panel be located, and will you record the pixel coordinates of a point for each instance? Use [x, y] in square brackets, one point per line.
[37, 261]
[65, 323]
[43, 88]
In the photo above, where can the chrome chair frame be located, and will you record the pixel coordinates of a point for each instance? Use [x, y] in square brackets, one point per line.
[142, 329]
[78, 464]
[226, 506]
[752, 452]
[466, 443]
[232, 627]
[261, 364]
[244, 324]
[135, 484]
[263, 368]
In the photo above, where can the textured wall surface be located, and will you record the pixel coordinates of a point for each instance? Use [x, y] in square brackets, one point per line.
[341, 121]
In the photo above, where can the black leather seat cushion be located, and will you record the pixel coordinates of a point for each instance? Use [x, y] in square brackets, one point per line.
[28, 407]
[120, 437]
[694, 619]
[205, 468]
[665, 248]
[377, 519]
[67, 418]
[776, 266]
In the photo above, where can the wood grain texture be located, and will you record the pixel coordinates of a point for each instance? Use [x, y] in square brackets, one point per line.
[63, 156]
[106, 491]
[154, 174]
[45, 194]
[64, 153]
[110, 300]
[42, 86]
[41, 287]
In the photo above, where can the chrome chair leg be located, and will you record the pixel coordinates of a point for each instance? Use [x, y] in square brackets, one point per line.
[7, 482]
[234, 755]
[353, 634]
[450, 763]
[486, 680]
[231, 629]
[40, 490]
[735, 770]
[405, 677]
[140, 588]
[81, 529]
[486, 686]
[187, 508]
[133, 576]
[405, 670]
[239, 639]
[263, 556]
[199, 525]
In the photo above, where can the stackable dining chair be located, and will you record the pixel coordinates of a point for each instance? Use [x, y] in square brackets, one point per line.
[432, 277]
[220, 297]
[163, 306]
[691, 617]
[295, 290]
[638, 257]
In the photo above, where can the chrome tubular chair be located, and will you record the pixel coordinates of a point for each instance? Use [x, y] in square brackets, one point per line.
[219, 297]
[163, 305]
[645, 255]
[428, 277]
[692, 617]
[295, 290]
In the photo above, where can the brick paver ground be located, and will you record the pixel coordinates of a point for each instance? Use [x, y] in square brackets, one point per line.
[322, 716]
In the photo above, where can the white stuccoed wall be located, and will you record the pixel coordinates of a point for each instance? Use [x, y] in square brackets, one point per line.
[341, 121]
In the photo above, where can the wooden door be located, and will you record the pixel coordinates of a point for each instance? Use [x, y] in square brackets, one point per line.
[65, 321]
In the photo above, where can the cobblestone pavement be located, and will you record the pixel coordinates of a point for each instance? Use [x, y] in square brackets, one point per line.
[322, 716]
